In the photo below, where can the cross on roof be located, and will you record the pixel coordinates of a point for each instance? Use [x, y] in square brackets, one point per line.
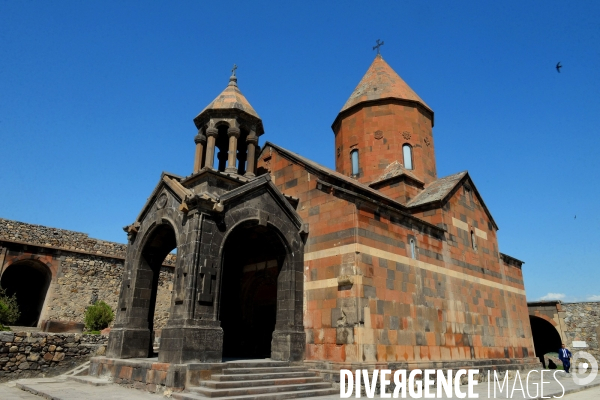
[379, 44]
[233, 70]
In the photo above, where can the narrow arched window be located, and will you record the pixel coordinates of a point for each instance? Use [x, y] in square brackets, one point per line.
[413, 249]
[473, 242]
[407, 153]
[354, 159]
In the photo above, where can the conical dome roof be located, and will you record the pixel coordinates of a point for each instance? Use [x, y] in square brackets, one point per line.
[381, 82]
[230, 98]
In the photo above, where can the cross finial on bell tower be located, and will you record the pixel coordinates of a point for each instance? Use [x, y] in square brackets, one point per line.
[233, 78]
[379, 44]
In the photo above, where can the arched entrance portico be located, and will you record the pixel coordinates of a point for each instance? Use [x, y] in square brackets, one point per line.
[238, 275]
[253, 257]
[137, 302]
[29, 280]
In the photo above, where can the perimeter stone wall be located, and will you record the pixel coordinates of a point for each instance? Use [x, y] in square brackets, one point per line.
[83, 279]
[58, 238]
[15, 231]
[37, 354]
[583, 324]
[83, 269]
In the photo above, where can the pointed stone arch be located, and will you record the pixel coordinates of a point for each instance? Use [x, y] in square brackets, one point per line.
[158, 235]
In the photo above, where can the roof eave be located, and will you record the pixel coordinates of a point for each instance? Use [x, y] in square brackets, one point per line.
[349, 110]
[208, 113]
[402, 175]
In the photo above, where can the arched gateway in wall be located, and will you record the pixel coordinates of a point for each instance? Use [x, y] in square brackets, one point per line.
[29, 280]
[238, 284]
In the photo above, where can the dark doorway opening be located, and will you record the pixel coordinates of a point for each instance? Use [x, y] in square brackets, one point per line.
[546, 338]
[29, 281]
[252, 260]
[161, 242]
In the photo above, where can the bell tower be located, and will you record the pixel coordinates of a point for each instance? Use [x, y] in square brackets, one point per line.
[384, 121]
[228, 132]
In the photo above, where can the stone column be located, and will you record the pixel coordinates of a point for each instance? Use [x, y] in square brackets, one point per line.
[200, 141]
[234, 134]
[252, 141]
[210, 147]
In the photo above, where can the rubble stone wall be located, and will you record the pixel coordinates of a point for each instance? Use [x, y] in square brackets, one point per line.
[38, 354]
[583, 324]
[83, 269]
[83, 279]
[58, 238]
[15, 231]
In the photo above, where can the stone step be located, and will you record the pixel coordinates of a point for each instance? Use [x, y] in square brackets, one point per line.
[274, 375]
[266, 396]
[90, 380]
[262, 382]
[261, 370]
[256, 364]
[237, 392]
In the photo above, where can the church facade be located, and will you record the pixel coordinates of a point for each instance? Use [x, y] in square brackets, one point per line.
[379, 262]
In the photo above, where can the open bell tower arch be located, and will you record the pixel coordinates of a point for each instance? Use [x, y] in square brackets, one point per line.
[228, 128]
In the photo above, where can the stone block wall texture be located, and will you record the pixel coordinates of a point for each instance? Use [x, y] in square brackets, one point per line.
[366, 299]
[62, 239]
[58, 238]
[83, 278]
[83, 269]
[39, 354]
[583, 324]
[378, 132]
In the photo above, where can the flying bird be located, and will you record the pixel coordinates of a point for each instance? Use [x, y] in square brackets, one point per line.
[558, 67]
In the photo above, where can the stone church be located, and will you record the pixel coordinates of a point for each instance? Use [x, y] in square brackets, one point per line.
[378, 262]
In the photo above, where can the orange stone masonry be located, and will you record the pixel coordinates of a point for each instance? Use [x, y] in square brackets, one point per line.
[390, 116]
[369, 301]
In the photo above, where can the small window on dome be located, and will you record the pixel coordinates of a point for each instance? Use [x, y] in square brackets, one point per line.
[413, 249]
[407, 153]
[354, 159]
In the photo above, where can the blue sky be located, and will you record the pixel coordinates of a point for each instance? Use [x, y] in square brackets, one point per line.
[97, 98]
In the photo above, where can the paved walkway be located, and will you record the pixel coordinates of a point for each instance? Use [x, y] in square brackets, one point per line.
[61, 389]
[590, 394]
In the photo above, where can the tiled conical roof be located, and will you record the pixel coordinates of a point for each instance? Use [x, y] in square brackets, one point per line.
[231, 98]
[381, 82]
